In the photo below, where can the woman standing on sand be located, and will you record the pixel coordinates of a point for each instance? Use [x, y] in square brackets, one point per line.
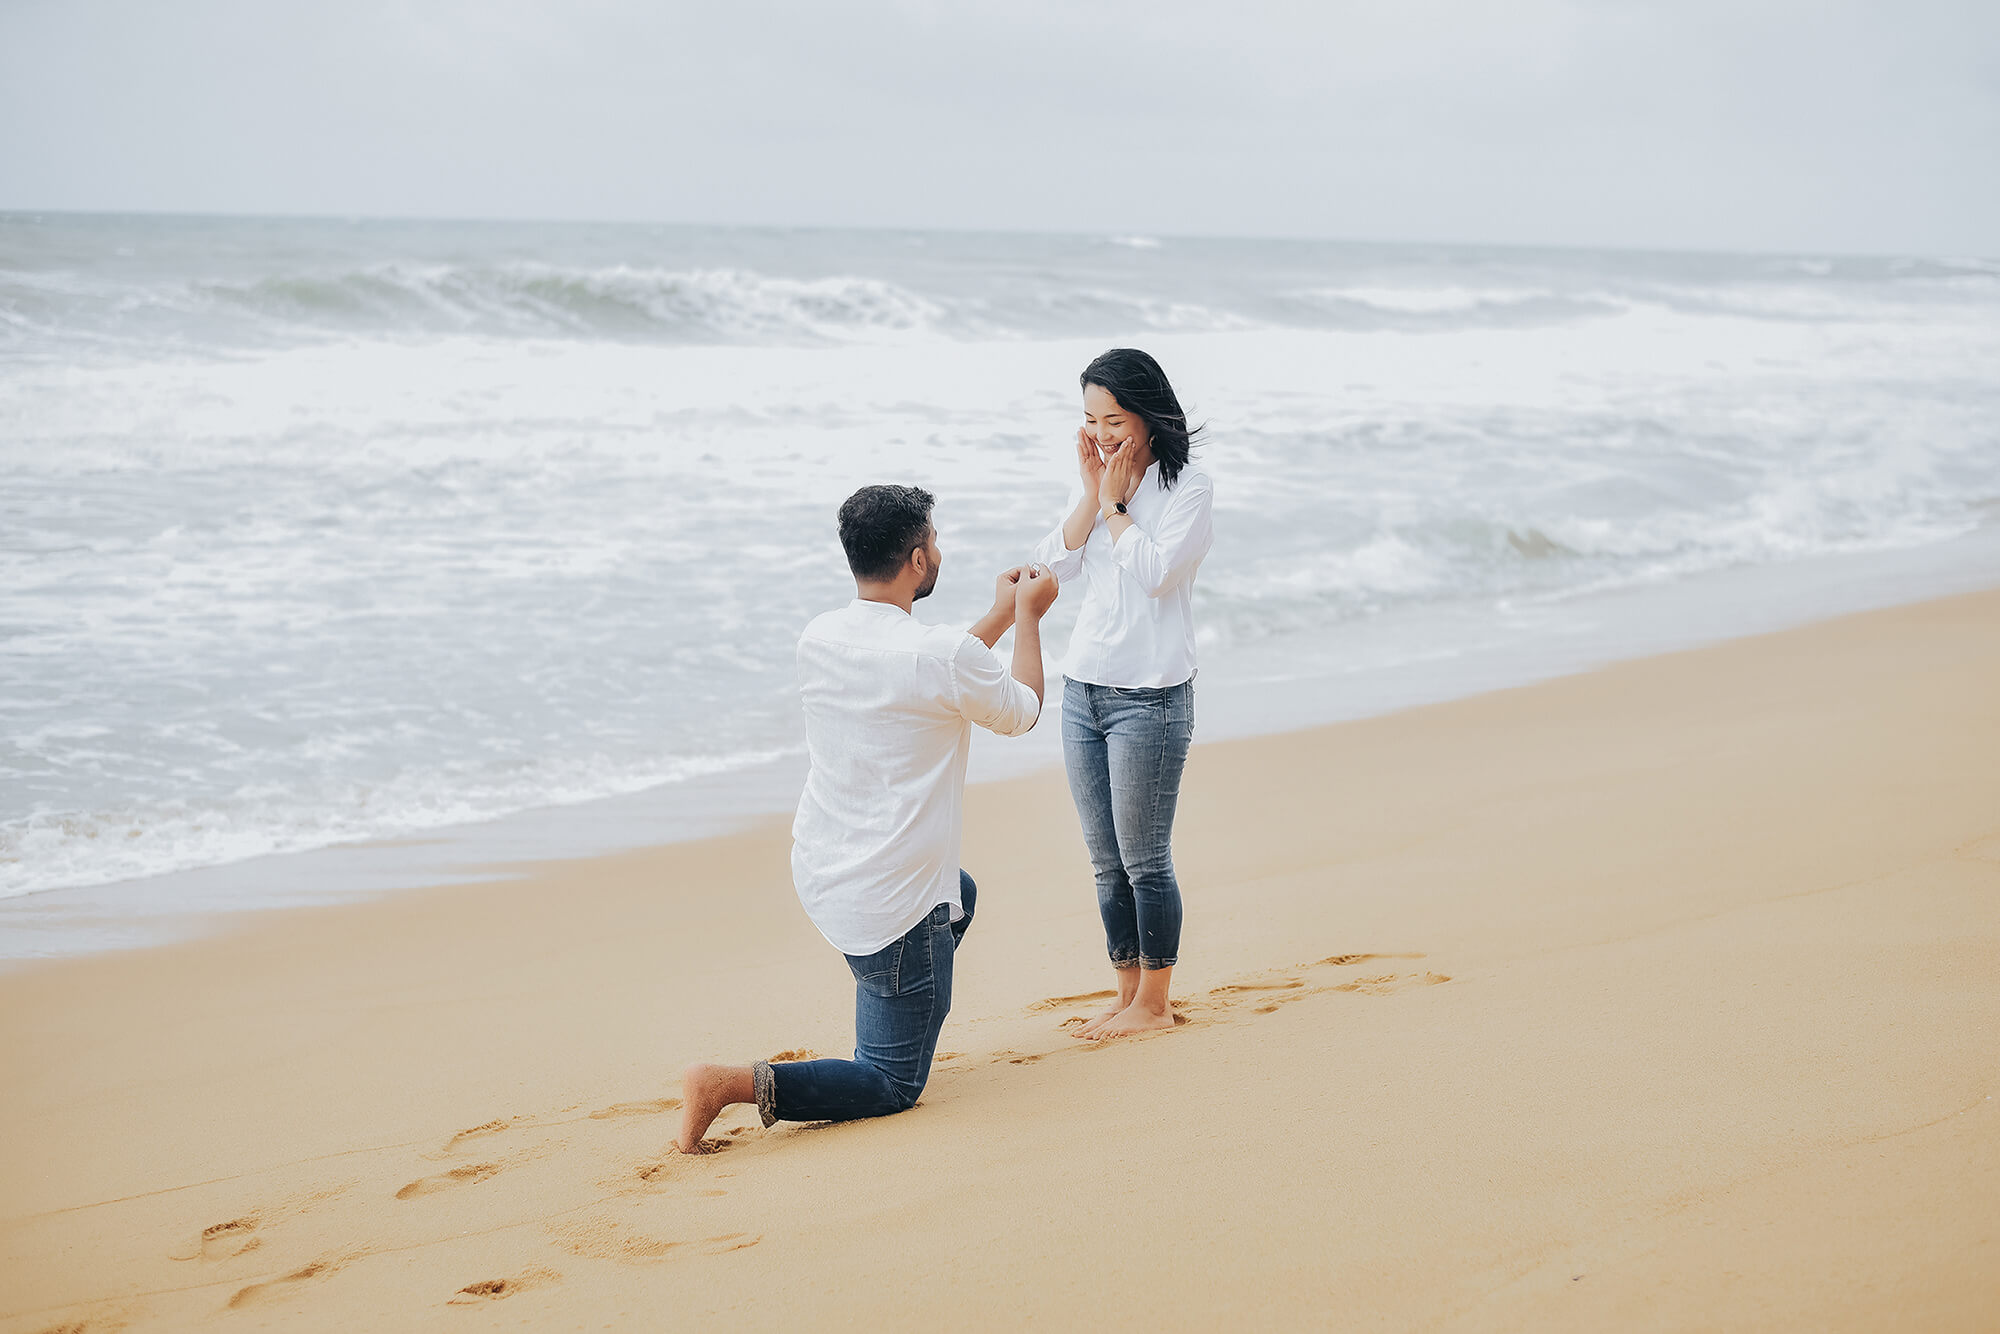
[1135, 539]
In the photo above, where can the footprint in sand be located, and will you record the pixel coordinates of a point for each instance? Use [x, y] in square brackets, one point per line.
[226, 1241]
[1983, 849]
[458, 1176]
[1388, 982]
[1271, 999]
[1269, 993]
[1234, 988]
[258, 1292]
[652, 1107]
[604, 1239]
[796, 1054]
[1062, 1002]
[493, 1289]
[608, 1239]
[1275, 993]
[95, 1324]
[709, 1146]
[492, 1127]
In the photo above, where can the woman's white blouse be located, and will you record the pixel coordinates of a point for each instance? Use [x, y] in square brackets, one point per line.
[1135, 624]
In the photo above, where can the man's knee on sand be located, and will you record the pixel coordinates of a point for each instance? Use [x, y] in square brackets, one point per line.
[897, 1095]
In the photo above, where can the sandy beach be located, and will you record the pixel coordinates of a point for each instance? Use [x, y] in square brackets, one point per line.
[1665, 996]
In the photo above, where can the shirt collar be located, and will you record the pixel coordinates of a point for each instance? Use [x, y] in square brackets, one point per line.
[879, 608]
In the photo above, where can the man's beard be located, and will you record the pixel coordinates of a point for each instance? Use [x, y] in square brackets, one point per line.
[925, 589]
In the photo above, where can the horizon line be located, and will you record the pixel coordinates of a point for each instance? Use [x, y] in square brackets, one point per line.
[1114, 236]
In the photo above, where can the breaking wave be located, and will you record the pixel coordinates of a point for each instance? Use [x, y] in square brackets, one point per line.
[521, 299]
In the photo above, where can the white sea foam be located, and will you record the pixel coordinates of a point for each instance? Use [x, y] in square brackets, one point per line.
[1429, 300]
[48, 849]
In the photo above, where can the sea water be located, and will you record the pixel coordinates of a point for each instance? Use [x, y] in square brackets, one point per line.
[321, 532]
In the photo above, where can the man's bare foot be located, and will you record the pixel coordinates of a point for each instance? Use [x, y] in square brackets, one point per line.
[705, 1091]
[1134, 1018]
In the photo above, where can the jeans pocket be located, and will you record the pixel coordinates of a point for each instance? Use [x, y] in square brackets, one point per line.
[882, 971]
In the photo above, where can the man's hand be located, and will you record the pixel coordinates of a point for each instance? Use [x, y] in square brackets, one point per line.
[1003, 588]
[988, 628]
[1120, 480]
[1035, 593]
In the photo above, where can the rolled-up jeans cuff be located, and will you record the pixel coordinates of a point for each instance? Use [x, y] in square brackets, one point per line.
[1120, 965]
[766, 1084]
[1154, 965]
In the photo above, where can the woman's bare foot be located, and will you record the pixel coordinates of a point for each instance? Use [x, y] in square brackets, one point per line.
[1097, 1021]
[1149, 1008]
[705, 1091]
[1134, 1018]
[1128, 987]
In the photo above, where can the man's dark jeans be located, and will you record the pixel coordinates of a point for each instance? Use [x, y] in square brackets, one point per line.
[901, 996]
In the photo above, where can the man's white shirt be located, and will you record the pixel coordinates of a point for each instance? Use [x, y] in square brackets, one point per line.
[889, 706]
[1135, 624]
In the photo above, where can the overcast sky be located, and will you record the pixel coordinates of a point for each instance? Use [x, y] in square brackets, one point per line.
[1731, 124]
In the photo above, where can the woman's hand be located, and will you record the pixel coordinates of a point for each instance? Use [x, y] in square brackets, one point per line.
[1089, 462]
[1120, 480]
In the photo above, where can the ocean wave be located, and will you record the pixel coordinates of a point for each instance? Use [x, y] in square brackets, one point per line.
[49, 313]
[1445, 307]
[522, 298]
[1058, 310]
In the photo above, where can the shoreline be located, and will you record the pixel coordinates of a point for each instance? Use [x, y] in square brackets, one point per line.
[1409, 660]
[1662, 994]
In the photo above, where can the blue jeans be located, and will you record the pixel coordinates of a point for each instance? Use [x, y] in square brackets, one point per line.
[1124, 749]
[901, 995]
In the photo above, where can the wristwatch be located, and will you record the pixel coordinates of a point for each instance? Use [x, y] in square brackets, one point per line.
[1119, 505]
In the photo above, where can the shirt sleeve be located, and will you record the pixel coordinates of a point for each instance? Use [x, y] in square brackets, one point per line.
[1063, 563]
[1165, 558]
[988, 694]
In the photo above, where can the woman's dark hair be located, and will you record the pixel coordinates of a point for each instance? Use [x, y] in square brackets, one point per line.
[1140, 386]
[881, 525]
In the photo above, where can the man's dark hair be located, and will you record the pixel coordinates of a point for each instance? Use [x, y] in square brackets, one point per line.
[881, 525]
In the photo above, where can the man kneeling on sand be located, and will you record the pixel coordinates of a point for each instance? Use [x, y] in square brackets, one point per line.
[889, 704]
